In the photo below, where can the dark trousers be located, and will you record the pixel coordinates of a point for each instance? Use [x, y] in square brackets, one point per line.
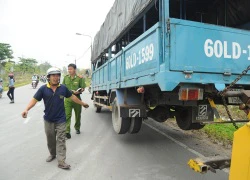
[11, 93]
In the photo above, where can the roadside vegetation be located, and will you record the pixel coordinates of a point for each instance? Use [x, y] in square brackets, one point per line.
[24, 68]
[224, 132]
[86, 73]
[19, 81]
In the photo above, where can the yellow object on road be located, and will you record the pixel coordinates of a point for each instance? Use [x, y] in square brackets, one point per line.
[197, 166]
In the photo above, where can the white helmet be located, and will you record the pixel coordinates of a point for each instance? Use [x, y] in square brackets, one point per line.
[53, 70]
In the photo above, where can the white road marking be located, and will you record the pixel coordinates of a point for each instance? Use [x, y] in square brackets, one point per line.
[26, 120]
[180, 143]
[176, 141]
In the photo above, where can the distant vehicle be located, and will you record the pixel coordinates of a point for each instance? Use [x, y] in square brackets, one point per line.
[42, 79]
[89, 89]
[1, 87]
[34, 84]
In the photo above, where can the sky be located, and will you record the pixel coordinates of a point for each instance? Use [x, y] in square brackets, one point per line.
[46, 29]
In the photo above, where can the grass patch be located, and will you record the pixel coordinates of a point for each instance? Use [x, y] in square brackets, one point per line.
[87, 81]
[224, 132]
[221, 132]
[24, 80]
[19, 81]
[17, 85]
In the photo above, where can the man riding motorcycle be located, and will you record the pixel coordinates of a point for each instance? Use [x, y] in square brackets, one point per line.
[34, 78]
[1, 87]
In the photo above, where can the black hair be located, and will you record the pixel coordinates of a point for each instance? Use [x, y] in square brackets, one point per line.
[72, 65]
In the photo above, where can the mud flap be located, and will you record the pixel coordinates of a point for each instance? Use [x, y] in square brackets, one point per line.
[202, 113]
[131, 103]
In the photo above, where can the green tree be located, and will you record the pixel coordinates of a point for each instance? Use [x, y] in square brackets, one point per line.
[44, 67]
[8, 66]
[27, 65]
[5, 55]
[5, 52]
[86, 72]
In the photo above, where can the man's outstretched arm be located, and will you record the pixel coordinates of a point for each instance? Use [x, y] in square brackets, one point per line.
[31, 104]
[78, 101]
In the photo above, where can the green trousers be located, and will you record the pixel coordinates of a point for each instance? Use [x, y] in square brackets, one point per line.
[55, 133]
[69, 105]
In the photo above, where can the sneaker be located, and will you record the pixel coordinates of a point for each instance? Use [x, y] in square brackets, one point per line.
[68, 136]
[63, 165]
[50, 158]
[78, 132]
[12, 101]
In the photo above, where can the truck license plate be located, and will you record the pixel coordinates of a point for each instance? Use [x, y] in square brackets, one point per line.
[234, 100]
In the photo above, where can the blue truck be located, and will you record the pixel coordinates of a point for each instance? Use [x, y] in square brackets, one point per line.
[161, 59]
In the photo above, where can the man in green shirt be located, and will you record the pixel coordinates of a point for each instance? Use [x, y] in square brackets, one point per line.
[76, 85]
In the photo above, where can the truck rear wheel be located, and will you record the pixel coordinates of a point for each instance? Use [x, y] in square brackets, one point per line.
[98, 108]
[184, 119]
[121, 125]
[197, 126]
[135, 125]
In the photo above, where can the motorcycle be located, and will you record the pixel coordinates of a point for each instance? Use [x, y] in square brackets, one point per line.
[34, 84]
[1, 91]
[43, 80]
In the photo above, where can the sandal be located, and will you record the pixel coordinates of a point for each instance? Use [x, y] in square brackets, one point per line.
[63, 165]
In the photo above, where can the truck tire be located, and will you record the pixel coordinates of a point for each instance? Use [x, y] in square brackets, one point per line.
[121, 125]
[184, 119]
[197, 126]
[98, 109]
[135, 125]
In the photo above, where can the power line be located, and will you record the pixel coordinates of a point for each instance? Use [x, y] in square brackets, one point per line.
[84, 53]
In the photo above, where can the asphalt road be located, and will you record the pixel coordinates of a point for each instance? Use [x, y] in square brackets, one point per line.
[97, 153]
